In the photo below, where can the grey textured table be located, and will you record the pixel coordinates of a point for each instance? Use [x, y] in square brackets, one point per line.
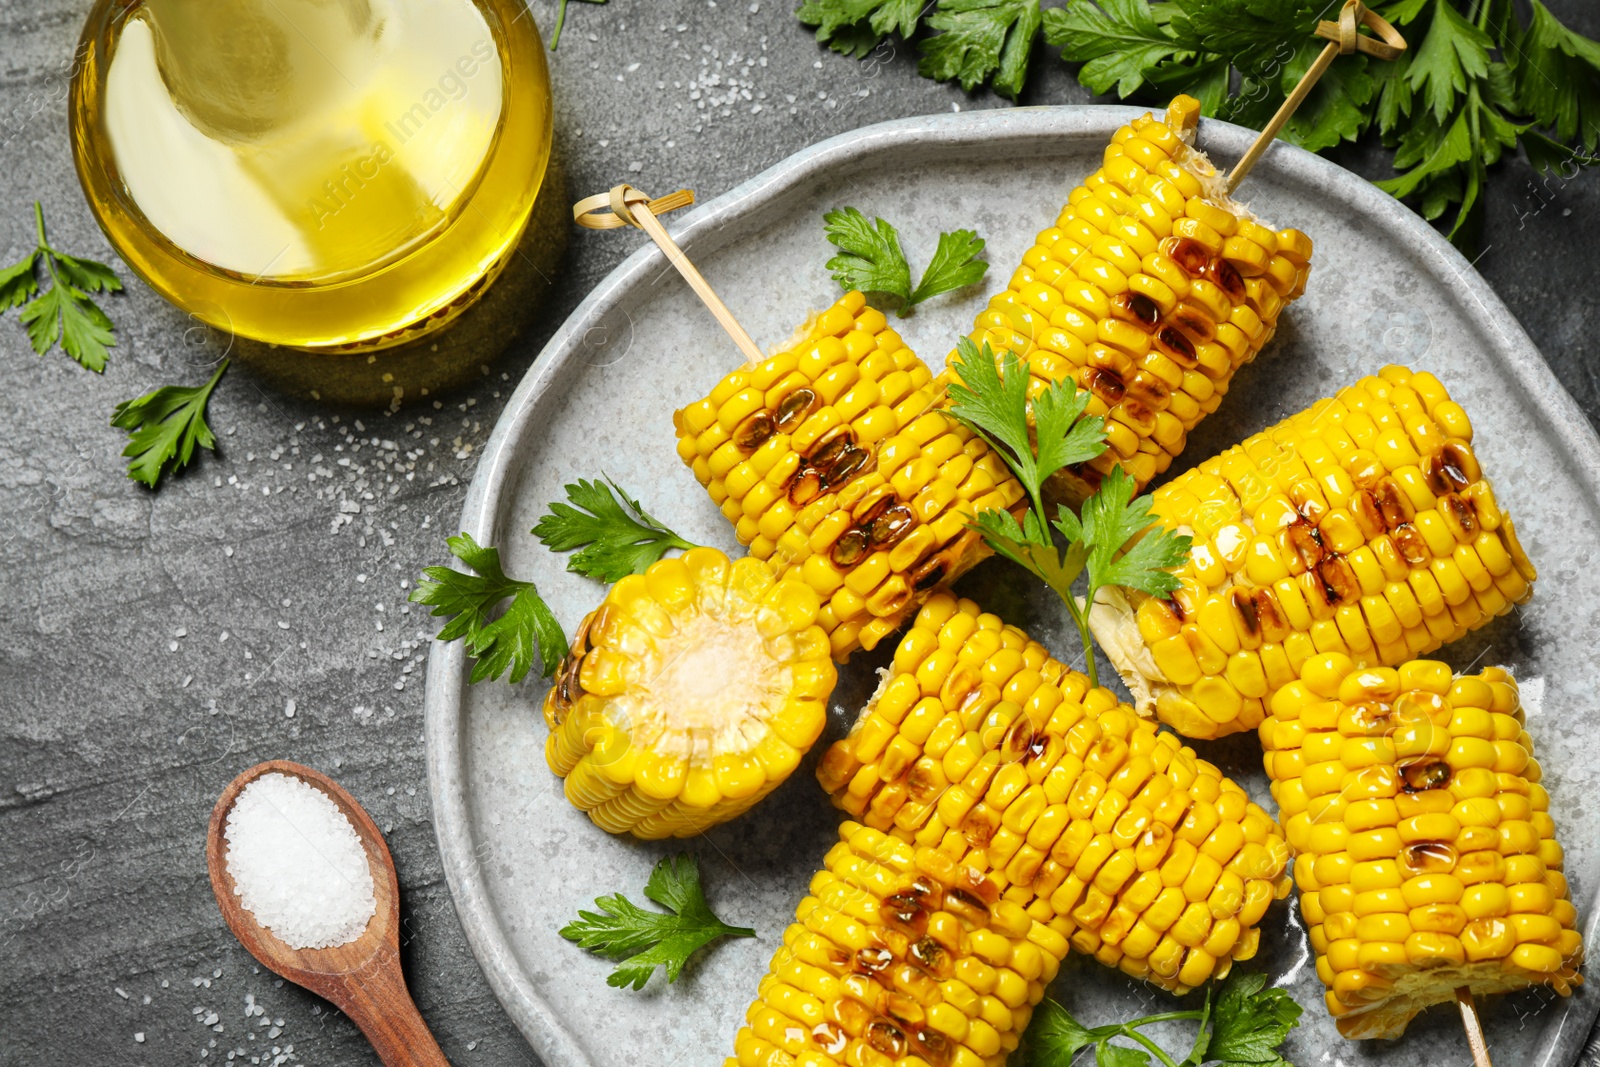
[153, 645]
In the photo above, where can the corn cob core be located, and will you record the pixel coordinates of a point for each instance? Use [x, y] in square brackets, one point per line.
[1152, 288]
[834, 465]
[689, 694]
[1363, 525]
[1101, 828]
[1426, 855]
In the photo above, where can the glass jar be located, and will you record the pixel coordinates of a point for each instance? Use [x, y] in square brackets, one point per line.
[327, 175]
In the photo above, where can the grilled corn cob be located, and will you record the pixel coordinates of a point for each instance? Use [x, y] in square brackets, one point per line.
[689, 694]
[1106, 832]
[832, 462]
[1152, 288]
[1426, 856]
[1363, 525]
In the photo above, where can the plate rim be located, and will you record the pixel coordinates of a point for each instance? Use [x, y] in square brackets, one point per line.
[714, 224]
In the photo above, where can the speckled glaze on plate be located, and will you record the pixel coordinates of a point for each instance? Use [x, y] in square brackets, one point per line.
[1384, 288]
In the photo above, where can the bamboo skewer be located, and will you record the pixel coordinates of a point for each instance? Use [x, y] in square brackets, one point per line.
[1473, 1027]
[626, 206]
[1343, 39]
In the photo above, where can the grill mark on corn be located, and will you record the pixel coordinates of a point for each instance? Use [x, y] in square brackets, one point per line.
[1364, 522]
[1023, 884]
[1427, 858]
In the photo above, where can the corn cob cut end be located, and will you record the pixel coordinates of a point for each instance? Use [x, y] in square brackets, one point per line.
[1363, 525]
[689, 694]
[833, 464]
[1152, 288]
[1426, 855]
[1102, 829]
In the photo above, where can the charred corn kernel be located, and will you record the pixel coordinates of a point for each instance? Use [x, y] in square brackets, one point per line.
[837, 467]
[1352, 530]
[688, 695]
[1067, 805]
[1145, 292]
[1419, 865]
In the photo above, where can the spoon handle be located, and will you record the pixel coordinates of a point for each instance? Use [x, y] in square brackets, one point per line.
[377, 1000]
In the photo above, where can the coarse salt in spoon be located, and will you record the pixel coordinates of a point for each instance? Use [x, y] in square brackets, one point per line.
[295, 863]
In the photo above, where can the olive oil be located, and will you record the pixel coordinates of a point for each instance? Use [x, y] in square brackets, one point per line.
[332, 175]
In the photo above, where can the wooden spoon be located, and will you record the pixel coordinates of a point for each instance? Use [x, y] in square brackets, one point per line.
[361, 978]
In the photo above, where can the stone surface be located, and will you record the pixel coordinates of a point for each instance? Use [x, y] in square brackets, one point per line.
[114, 744]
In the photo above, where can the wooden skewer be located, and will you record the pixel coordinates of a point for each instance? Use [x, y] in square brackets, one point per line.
[1343, 39]
[626, 206]
[1474, 1027]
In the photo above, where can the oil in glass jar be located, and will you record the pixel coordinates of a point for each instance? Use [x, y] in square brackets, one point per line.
[332, 175]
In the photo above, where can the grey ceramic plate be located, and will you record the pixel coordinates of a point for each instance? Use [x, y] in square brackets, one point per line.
[1385, 288]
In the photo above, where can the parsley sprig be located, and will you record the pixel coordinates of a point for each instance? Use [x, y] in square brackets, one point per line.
[644, 940]
[993, 400]
[164, 427]
[64, 312]
[870, 259]
[1476, 84]
[502, 643]
[614, 538]
[1244, 1027]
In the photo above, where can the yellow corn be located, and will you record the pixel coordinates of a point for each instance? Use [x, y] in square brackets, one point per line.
[1103, 830]
[833, 463]
[689, 694]
[1363, 525]
[1425, 851]
[1152, 288]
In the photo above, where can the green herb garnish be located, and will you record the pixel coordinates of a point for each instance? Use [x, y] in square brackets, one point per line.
[644, 940]
[64, 312]
[870, 259]
[982, 40]
[1475, 84]
[855, 27]
[1245, 1027]
[164, 426]
[1105, 544]
[615, 538]
[507, 643]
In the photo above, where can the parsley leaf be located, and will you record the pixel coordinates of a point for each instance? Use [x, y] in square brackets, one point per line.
[980, 38]
[1453, 53]
[1558, 78]
[1109, 1055]
[993, 399]
[561, 20]
[1111, 518]
[1055, 1037]
[644, 940]
[63, 312]
[1249, 1022]
[1242, 1026]
[166, 424]
[855, 27]
[1119, 46]
[615, 538]
[526, 628]
[955, 264]
[869, 256]
[870, 259]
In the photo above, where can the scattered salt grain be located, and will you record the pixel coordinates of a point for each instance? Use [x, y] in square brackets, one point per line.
[297, 864]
